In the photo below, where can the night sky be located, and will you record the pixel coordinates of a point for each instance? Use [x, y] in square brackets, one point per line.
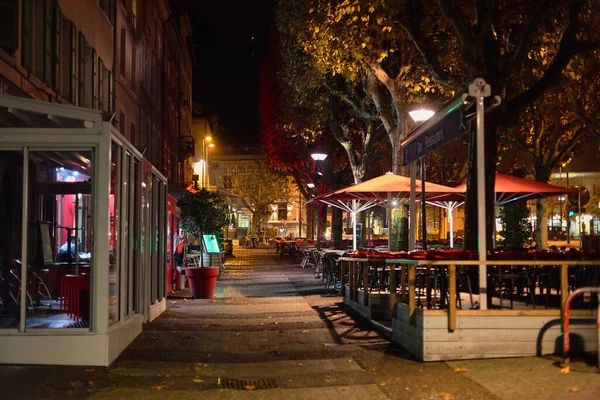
[231, 38]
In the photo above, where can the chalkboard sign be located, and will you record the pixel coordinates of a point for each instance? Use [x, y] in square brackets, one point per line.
[46, 240]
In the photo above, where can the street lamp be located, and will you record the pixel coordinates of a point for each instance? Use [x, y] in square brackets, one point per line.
[566, 165]
[318, 157]
[205, 147]
[419, 116]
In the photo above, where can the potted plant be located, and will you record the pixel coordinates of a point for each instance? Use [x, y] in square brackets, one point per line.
[202, 213]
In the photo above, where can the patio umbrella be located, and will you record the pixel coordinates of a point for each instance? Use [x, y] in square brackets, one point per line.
[507, 189]
[510, 188]
[382, 191]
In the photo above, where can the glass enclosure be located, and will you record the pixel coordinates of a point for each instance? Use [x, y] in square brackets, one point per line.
[55, 291]
[137, 249]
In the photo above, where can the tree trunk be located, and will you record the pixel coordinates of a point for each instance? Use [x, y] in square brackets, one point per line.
[541, 225]
[336, 227]
[255, 222]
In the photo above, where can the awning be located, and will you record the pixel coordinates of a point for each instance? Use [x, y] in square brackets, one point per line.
[175, 191]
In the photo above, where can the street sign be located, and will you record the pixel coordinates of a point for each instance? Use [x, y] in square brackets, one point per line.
[443, 131]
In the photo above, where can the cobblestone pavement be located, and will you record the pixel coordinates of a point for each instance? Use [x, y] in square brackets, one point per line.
[271, 332]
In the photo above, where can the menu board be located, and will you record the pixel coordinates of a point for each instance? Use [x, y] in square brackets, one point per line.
[211, 245]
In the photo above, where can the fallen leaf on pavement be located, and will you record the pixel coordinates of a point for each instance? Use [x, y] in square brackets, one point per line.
[186, 300]
[159, 387]
[458, 369]
[198, 380]
[446, 396]
[543, 389]
[575, 389]
[305, 331]
[249, 387]
[564, 370]
[174, 302]
[213, 301]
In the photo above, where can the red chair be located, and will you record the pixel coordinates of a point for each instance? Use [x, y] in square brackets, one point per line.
[72, 287]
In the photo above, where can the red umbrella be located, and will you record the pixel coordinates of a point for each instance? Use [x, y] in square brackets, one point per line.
[510, 188]
[390, 186]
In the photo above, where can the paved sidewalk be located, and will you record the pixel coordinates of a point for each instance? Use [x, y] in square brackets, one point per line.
[273, 332]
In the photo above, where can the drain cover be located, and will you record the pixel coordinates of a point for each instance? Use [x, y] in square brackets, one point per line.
[251, 384]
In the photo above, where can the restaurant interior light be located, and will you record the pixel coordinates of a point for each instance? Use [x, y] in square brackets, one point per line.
[310, 185]
[421, 115]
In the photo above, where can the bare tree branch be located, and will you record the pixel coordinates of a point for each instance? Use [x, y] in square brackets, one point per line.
[460, 23]
[358, 107]
[568, 48]
[410, 23]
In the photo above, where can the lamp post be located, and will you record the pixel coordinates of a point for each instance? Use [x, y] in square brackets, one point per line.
[419, 116]
[566, 165]
[204, 161]
[318, 158]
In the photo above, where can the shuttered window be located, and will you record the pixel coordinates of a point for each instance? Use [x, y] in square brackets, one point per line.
[27, 35]
[94, 79]
[100, 85]
[72, 62]
[81, 71]
[133, 68]
[9, 24]
[111, 105]
[57, 22]
[48, 40]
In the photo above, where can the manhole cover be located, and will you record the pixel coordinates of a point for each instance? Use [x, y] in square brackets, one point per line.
[250, 384]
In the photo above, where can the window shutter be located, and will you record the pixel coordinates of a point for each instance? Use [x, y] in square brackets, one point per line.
[72, 63]
[48, 40]
[9, 24]
[56, 72]
[81, 71]
[100, 85]
[26, 35]
[110, 92]
[94, 80]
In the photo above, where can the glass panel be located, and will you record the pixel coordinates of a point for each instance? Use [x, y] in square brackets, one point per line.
[124, 239]
[114, 231]
[11, 211]
[60, 231]
[135, 226]
[154, 238]
[163, 241]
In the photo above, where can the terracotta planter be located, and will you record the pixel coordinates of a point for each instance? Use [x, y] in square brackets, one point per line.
[202, 281]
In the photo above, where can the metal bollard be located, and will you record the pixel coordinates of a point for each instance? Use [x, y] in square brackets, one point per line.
[566, 341]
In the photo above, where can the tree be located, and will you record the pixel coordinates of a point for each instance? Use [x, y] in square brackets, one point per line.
[353, 42]
[200, 213]
[258, 188]
[547, 134]
[516, 228]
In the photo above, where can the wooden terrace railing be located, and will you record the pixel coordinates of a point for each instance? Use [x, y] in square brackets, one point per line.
[407, 289]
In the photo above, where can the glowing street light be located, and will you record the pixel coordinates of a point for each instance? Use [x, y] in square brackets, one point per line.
[419, 116]
[318, 157]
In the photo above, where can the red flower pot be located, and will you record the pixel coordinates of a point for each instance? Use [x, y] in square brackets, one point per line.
[202, 281]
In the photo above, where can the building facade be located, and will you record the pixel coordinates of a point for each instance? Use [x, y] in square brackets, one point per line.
[241, 177]
[131, 59]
